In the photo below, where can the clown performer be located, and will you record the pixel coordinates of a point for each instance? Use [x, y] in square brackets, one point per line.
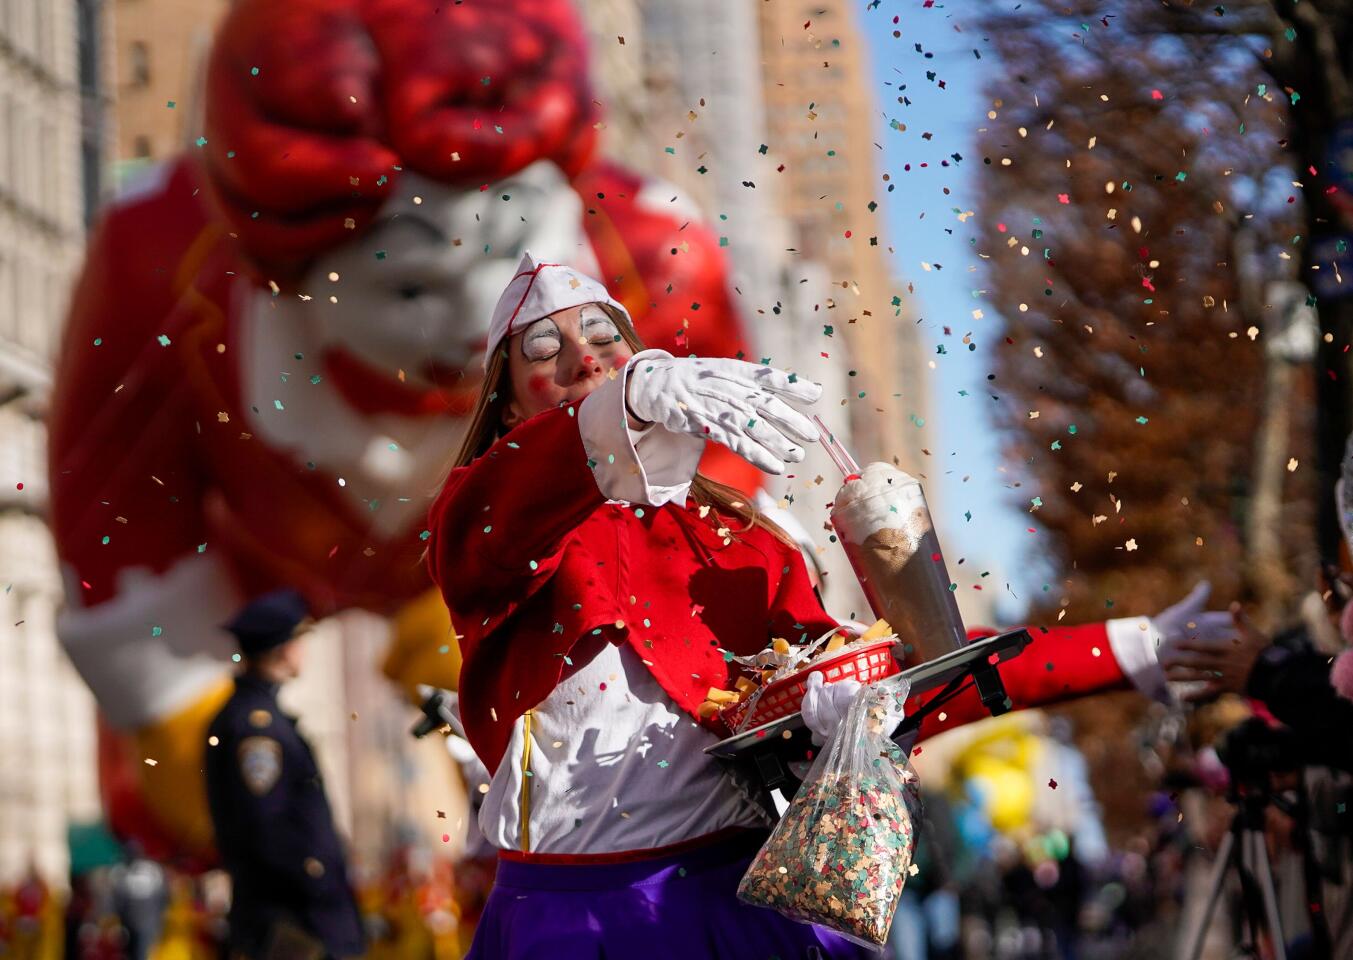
[601, 585]
[277, 337]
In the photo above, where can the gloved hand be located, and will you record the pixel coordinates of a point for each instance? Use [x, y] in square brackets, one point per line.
[1190, 622]
[731, 402]
[1206, 669]
[825, 705]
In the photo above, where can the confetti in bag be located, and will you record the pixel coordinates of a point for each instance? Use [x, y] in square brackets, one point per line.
[842, 851]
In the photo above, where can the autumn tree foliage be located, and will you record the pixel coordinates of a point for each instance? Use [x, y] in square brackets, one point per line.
[1135, 208]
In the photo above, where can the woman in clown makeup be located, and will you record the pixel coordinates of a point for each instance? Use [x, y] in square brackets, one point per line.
[600, 587]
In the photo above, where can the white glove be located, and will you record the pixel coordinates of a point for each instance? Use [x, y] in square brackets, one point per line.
[825, 705]
[1190, 622]
[731, 402]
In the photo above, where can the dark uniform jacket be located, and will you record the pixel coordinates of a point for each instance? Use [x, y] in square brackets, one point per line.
[1292, 679]
[274, 830]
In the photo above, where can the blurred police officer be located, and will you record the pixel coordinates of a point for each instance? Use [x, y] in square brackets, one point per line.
[276, 837]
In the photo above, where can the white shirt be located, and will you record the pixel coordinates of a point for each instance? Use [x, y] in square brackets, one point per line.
[614, 765]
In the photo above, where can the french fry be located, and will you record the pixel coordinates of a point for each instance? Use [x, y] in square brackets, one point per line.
[835, 643]
[708, 709]
[722, 696]
[878, 630]
[744, 685]
[780, 645]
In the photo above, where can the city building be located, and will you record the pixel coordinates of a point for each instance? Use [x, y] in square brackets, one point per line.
[54, 132]
[822, 125]
[162, 47]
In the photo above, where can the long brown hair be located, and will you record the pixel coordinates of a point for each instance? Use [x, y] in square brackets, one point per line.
[486, 426]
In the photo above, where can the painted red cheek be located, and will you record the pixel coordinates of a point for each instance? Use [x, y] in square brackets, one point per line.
[538, 383]
[619, 362]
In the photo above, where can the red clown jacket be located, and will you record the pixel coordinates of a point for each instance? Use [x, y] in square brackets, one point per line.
[528, 569]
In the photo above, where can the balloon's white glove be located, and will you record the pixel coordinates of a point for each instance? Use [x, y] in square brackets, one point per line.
[1190, 623]
[731, 402]
[825, 705]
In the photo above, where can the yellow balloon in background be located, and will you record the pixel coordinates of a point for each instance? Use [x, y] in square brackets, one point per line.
[174, 787]
[1001, 759]
[1007, 791]
[423, 647]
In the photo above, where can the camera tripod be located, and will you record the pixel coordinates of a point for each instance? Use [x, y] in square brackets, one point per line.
[1244, 849]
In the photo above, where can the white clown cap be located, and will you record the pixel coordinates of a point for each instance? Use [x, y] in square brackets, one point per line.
[538, 290]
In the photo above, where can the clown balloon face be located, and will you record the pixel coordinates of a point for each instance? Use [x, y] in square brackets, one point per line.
[414, 292]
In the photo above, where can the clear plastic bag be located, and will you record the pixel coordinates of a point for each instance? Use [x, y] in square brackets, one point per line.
[841, 853]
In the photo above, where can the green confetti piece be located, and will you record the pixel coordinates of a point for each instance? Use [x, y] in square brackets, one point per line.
[163, 340]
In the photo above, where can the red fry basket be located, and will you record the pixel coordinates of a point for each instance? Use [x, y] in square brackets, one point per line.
[785, 696]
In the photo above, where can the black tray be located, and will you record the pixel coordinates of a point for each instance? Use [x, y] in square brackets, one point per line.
[771, 748]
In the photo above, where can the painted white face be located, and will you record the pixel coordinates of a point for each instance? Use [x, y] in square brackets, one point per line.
[416, 290]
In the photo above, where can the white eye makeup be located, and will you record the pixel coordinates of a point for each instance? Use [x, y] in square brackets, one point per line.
[597, 327]
[541, 340]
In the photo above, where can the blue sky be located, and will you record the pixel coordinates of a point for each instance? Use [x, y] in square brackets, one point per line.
[923, 226]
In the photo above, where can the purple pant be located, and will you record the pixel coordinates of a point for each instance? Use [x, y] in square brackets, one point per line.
[678, 907]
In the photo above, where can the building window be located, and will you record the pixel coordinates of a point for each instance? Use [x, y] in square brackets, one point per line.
[138, 55]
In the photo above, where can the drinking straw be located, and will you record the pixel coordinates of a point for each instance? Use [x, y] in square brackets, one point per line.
[838, 453]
